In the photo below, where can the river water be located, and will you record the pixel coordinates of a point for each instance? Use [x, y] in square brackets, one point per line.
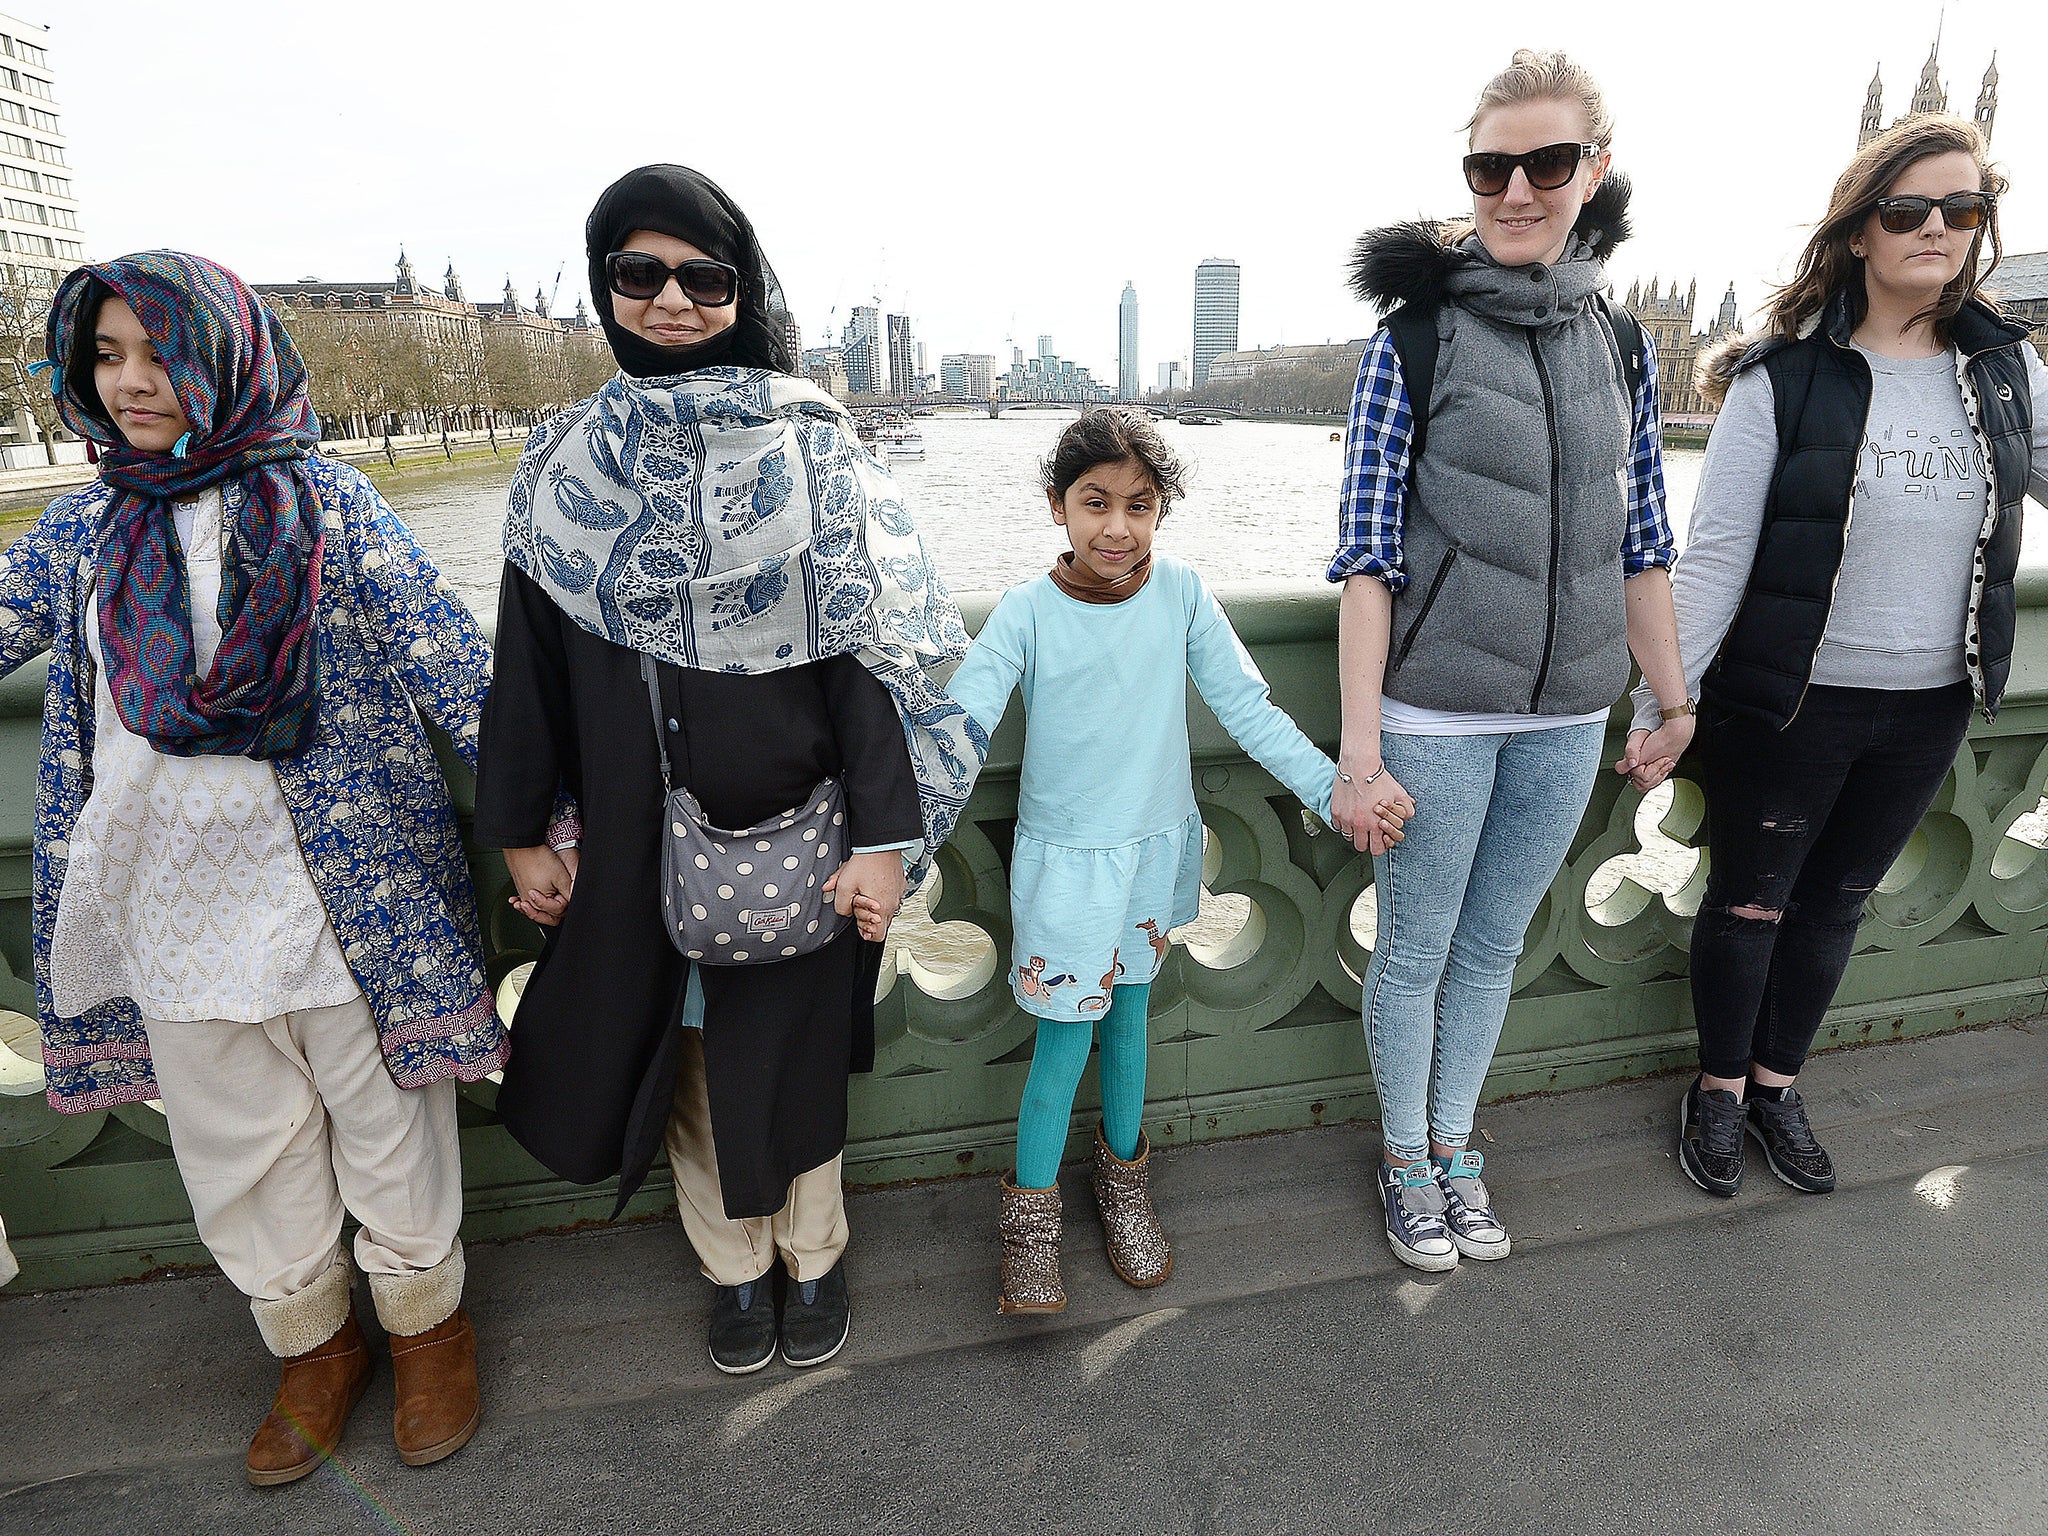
[1261, 504]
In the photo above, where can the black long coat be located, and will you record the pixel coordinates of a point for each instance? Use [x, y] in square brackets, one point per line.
[593, 1064]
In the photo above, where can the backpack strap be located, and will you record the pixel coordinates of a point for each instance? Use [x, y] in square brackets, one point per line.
[1628, 336]
[1412, 328]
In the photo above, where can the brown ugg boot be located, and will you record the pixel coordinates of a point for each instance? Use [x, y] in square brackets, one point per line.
[1030, 1226]
[437, 1406]
[433, 1352]
[314, 1395]
[1138, 1251]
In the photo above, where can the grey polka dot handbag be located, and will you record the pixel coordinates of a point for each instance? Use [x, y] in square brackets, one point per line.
[747, 897]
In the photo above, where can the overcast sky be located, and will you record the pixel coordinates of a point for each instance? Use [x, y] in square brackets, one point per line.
[995, 170]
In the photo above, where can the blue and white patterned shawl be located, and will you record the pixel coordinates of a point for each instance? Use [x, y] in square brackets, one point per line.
[729, 520]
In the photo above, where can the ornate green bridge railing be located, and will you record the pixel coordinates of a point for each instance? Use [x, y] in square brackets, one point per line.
[1254, 1022]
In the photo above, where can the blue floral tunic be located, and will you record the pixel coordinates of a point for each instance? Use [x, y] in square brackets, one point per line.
[367, 799]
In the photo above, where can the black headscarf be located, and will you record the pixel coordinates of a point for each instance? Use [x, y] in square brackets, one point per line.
[675, 200]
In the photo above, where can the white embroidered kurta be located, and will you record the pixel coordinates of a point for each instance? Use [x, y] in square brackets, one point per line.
[186, 890]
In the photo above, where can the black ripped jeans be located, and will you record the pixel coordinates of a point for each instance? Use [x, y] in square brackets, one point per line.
[1802, 824]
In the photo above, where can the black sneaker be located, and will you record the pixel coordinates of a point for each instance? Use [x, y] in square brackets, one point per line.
[743, 1327]
[1782, 1129]
[1710, 1139]
[815, 1317]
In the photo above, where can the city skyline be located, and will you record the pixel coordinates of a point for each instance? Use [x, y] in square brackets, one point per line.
[413, 149]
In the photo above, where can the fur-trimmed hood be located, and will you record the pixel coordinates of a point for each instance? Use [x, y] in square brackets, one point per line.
[1719, 361]
[1409, 263]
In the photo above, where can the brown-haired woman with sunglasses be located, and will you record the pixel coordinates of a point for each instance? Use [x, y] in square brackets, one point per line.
[1846, 592]
[709, 586]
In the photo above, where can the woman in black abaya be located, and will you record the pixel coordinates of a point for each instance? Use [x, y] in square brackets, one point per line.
[713, 512]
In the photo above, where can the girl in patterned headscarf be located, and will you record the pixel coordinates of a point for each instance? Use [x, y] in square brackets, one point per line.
[716, 517]
[250, 897]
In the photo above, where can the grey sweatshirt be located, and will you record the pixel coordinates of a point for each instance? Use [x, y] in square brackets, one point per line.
[1921, 495]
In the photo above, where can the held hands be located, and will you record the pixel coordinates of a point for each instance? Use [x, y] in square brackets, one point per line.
[1650, 756]
[1370, 816]
[870, 887]
[542, 880]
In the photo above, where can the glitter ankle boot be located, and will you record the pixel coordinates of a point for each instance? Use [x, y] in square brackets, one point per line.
[1138, 1251]
[1031, 1250]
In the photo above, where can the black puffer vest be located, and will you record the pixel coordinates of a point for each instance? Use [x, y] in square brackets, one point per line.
[1821, 387]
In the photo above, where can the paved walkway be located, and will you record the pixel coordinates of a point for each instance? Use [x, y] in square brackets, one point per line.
[1648, 1361]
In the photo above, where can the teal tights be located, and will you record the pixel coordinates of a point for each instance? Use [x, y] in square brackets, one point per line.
[1057, 1061]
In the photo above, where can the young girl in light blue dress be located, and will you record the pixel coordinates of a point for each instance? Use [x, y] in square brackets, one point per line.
[1108, 850]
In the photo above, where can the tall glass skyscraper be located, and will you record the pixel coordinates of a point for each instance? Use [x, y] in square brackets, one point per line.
[1127, 344]
[867, 352]
[1215, 314]
[902, 373]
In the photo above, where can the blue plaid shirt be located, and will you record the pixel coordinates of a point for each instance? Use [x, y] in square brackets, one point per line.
[1379, 444]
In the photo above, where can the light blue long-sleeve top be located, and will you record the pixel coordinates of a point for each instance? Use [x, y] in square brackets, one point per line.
[1106, 769]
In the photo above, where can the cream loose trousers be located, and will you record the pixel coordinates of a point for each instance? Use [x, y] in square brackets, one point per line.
[280, 1126]
[810, 1229]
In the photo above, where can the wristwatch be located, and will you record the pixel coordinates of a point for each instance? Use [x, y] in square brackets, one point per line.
[1680, 711]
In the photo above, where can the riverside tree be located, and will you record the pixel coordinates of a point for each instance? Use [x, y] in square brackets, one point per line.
[25, 294]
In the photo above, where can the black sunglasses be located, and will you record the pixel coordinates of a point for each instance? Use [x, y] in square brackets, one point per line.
[1547, 168]
[637, 275]
[1959, 210]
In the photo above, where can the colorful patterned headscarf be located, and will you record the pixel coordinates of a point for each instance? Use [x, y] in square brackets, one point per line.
[241, 385]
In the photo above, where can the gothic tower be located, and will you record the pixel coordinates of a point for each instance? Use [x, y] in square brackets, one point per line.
[1928, 95]
[1727, 322]
[451, 284]
[511, 296]
[1873, 110]
[1987, 100]
[405, 285]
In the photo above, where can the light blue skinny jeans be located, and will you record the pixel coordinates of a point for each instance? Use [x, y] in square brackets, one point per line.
[1494, 818]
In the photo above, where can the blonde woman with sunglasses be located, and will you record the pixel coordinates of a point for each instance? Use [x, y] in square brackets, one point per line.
[1503, 549]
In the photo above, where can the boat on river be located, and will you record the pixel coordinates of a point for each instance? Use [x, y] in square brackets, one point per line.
[899, 442]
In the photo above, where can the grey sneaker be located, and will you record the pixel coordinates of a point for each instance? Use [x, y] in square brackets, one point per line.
[1469, 1209]
[1417, 1227]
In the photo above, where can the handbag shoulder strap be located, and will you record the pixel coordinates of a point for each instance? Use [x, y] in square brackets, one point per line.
[653, 679]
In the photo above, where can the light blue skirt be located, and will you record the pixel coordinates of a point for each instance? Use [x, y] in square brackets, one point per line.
[1090, 919]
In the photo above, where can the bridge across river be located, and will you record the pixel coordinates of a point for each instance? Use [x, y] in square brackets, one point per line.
[999, 407]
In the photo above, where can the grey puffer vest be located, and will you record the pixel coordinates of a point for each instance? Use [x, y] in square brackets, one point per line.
[1517, 505]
